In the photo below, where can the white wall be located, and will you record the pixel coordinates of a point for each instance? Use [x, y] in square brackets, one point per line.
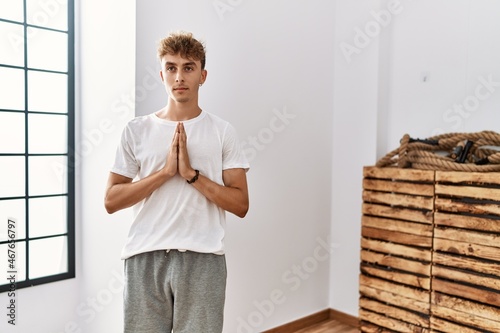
[264, 58]
[456, 45]
[355, 97]
[107, 89]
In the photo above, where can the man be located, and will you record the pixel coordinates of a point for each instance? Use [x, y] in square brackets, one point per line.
[180, 168]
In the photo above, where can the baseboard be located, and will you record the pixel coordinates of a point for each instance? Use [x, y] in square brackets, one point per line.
[344, 318]
[302, 322]
[316, 318]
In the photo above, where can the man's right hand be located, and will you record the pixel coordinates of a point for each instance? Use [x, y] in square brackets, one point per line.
[170, 168]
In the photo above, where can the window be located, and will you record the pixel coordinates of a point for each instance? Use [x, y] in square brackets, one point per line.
[37, 186]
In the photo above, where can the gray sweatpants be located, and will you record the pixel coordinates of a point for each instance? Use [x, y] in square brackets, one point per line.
[179, 291]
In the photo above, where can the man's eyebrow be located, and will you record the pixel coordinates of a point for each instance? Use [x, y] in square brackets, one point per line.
[190, 63]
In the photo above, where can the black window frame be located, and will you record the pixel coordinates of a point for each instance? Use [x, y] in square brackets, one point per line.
[70, 226]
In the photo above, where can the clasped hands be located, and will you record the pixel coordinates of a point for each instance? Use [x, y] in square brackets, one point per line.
[178, 158]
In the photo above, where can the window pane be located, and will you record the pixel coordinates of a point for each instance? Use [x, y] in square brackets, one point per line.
[19, 263]
[47, 92]
[47, 134]
[47, 216]
[12, 209]
[48, 257]
[47, 50]
[11, 88]
[47, 175]
[12, 132]
[11, 44]
[49, 13]
[12, 171]
[12, 10]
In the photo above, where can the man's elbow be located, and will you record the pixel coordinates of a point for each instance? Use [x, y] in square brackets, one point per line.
[242, 210]
[110, 207]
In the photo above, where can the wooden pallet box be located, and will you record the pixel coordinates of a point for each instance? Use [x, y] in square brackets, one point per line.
[466, 260]
[396, 250]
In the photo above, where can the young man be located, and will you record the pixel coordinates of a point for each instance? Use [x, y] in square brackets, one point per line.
[180, 168]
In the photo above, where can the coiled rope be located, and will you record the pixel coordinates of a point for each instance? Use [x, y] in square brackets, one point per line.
[472, 152]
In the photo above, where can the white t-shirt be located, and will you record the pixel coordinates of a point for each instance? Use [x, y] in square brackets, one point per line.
[176, 215]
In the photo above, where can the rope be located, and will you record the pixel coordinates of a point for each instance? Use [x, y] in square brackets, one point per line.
[472, 152]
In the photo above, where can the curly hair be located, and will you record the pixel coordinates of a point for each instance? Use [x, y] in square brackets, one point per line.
[184, 44]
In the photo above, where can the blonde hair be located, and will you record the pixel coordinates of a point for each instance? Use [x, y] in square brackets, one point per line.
[184, 44]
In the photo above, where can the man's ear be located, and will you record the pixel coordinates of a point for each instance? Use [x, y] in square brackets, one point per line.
[161, 75]
[203, 76]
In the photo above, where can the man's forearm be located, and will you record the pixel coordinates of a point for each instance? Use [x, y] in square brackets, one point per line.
[124, 195]
[231, 199]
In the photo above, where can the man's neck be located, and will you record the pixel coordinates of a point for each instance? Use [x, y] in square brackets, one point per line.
[179, 111]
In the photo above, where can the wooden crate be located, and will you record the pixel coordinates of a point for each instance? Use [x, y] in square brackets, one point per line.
[466, 259]
[396, 250]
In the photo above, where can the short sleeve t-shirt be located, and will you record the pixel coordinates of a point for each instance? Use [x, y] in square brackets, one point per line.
[176, 215]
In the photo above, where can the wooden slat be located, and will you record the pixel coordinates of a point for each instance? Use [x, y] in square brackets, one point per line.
[468, 292]
[466, 277]
[394, 312]
[466, 263]
[465, 306]
[468, 177]
[398, 187]
[474, 237]
[398, 213]
[449, 327]
[421, 229]
[367, 327]
[417, 267]
[395, 288]
[468, 192]
[465, 318]
[454, 206]
[391, 323]
[467, 222]
[467, 249]
[399, 277]
[397, 237]
[401, 200]
[394, 299]
[399, 174]
[397, 249]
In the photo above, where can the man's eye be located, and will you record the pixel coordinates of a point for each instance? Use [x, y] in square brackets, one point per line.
[188, 69]
[170, 69]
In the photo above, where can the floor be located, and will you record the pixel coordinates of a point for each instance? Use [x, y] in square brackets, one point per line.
[329, 326]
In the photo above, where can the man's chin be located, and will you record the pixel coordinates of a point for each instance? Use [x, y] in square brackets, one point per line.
[181, 99]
